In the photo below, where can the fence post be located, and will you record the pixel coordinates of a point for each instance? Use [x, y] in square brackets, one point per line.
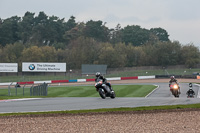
[9, 89]
[39, 88]
[23, 88]
[42, 90]
[31, 90]
[46, 89]
[15, 90]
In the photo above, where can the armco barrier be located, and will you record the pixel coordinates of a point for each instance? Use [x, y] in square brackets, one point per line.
[41, 82]
[79, 80]
[7, 84]
[90, 80]
[23, 83]
[126, 78]
[72, 80]
[59, 81]
[116, 78]
[146, 77]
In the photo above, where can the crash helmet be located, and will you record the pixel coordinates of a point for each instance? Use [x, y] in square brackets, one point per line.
[172, 77]
[98, 74]
[190, 84]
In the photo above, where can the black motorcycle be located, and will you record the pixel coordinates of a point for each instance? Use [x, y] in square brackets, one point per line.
[190, 93]
[104, 90]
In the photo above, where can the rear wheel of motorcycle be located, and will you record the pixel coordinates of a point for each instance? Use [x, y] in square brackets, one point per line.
[102, 93]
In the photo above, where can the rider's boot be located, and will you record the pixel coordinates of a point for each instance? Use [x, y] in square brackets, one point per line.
[111, 90]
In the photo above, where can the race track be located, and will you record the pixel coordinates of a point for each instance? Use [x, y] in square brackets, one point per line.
[160, 96]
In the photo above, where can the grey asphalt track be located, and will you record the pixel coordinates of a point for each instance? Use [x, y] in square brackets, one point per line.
[160, 96]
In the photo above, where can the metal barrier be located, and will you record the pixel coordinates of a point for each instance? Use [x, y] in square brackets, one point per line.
[26, 90]
[9, 92]
[39, 90]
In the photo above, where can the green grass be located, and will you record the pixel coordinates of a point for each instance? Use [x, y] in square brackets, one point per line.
[83, 91]
[166, 107]
[133, 90]
[89, 91]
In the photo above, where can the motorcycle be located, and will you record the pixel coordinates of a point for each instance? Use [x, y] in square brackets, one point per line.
[104, 90]
[190, 93]
[175, 89]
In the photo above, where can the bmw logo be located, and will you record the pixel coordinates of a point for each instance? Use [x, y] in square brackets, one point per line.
[31, 67]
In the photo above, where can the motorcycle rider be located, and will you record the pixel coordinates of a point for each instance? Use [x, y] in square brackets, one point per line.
[17, 85]
[190, 91]
[172, 79]
[99, 76]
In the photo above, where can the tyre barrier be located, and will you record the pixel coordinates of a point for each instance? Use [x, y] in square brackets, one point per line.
[176, 76]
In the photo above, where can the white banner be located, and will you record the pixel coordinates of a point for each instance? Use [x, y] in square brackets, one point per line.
[8, 67]
[43, 67]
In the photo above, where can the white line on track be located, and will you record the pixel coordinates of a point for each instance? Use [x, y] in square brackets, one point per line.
[22, 99]
[152, 91]
[198, 93]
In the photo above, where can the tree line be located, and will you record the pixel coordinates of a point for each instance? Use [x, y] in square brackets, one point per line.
[45, 38]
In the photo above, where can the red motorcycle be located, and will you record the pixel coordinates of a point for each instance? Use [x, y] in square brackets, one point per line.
[175, 89]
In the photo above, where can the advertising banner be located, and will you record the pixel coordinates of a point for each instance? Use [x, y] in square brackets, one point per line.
[43, 67]
[8, 67]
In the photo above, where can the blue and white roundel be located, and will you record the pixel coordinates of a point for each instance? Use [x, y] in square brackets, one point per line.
[31, 67]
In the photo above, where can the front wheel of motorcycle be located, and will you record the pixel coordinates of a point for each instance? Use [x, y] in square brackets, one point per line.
[102, 93]
[176, 94]
[112, 95]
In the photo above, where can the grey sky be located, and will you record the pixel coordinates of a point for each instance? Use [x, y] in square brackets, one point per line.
[181, 18]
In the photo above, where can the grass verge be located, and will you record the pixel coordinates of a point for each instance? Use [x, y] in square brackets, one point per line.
[81, 91]
[149, 108]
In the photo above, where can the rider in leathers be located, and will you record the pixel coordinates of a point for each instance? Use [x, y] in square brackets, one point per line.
[190, 91]
[172, 79]
[99, 76]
